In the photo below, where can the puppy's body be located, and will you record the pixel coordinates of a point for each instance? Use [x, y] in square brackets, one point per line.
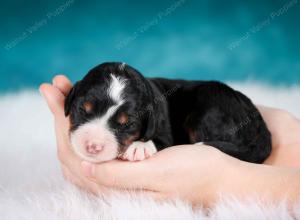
[215, 114]
[116, 111]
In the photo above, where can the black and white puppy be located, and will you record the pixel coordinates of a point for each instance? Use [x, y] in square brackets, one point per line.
[116, 112]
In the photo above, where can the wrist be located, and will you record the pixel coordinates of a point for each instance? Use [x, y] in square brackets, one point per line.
[271, 184]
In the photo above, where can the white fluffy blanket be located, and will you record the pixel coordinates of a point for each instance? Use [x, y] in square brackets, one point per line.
[31, 185]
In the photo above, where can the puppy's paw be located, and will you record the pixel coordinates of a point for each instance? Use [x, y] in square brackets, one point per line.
[139, 150]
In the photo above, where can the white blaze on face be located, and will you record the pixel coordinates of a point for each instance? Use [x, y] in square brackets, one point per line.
[97, 132]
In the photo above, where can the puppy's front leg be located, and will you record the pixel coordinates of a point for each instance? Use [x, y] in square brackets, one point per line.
[139, 150]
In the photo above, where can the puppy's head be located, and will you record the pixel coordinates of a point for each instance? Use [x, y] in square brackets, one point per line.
[111, 107]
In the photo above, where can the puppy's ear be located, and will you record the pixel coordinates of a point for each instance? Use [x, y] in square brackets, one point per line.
[69, 99]
[149, 108]
[150, 124]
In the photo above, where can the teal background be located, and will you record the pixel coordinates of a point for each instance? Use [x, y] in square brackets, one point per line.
[179, 39]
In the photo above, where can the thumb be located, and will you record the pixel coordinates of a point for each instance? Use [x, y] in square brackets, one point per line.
[123, 174]
[54, 98]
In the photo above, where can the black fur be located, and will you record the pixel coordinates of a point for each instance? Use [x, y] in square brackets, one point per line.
[173, 112]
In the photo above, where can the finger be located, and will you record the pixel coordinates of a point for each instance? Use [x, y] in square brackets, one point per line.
[55, 99]
[69, 176]
[84, 184]
[122, 174]
[62, 83]
[99, 190]
[157, 196]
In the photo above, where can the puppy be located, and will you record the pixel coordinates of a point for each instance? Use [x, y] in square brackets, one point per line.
[115, 112]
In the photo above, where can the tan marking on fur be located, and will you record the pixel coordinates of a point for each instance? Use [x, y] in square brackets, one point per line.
[123, 118]
[192, 135]
[88, 106]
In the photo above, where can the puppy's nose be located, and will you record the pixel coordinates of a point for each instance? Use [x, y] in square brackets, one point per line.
[93, 148]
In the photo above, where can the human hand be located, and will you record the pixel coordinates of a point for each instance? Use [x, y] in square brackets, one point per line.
[190, 172]
[180, 171]
[285, 130]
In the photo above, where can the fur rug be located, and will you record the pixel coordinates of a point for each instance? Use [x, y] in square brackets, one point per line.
[31, 185]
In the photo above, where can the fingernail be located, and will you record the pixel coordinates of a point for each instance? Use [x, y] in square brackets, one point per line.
[88, 168]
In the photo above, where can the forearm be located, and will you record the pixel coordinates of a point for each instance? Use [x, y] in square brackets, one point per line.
[271, 184]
